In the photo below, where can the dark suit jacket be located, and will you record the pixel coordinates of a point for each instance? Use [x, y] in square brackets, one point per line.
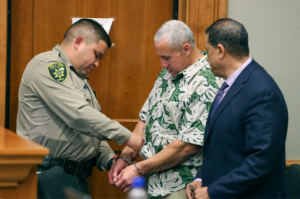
[244, 141]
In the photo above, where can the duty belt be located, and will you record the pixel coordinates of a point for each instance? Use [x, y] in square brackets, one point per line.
[82, 169]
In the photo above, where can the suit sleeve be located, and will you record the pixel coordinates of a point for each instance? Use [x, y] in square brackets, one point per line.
[71, 106]
[265, 134]
[199, 174]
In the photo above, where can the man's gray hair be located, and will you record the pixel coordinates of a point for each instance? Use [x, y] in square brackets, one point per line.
[178, 33]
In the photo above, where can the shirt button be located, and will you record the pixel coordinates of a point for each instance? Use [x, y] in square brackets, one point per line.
[204, 159]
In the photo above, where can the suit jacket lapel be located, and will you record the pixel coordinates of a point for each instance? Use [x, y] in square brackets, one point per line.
[235, 88]
[208, 118]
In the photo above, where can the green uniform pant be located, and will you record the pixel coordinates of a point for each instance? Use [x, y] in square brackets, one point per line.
[51, 183]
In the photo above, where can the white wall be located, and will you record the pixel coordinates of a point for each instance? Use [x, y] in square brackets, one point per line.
[274, 40]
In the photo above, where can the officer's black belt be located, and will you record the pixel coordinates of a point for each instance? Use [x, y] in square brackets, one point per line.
[83, 169]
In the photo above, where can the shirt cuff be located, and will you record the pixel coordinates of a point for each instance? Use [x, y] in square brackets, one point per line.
[103, 161]
[109, 164]
[198, 179]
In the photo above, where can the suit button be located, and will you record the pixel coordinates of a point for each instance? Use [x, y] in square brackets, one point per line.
[204, 159]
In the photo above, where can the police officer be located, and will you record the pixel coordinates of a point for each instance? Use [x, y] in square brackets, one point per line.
[59, 110]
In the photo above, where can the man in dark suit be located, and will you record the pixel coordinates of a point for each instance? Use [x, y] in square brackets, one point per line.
[244, 140]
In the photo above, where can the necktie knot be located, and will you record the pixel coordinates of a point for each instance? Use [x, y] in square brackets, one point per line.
[223, 87]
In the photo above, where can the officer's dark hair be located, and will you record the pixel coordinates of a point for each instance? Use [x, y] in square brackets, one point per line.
[231, 34]
[90, 30]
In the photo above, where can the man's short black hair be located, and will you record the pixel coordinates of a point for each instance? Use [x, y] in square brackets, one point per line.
[231, 34]
[89, 29]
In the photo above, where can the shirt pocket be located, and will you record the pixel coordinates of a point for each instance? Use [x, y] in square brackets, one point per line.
[85, 94]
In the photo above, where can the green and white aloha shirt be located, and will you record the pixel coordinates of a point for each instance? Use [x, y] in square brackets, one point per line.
[177, 108]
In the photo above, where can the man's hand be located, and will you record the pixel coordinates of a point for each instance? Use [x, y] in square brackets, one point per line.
[115, 169]
[190, 189]
[201, 193]
[136, 143]
[125, 177]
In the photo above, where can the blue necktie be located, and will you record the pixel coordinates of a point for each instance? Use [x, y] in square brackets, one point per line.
[218, 98]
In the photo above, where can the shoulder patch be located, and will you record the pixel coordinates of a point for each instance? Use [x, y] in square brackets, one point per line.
[58, 71]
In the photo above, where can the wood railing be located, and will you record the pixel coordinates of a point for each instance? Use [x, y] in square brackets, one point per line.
[290, 162]
[19, 158]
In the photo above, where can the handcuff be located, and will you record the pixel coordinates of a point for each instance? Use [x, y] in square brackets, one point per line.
[130, 162]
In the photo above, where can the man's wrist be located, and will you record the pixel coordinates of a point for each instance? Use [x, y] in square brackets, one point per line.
[124, 159]
[137, 168]
[142, 165]
[128, 154]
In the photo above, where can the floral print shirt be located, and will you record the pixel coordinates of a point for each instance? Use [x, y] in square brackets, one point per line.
[177, 108]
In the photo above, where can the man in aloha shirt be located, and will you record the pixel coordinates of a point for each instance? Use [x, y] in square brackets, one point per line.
[173, 118]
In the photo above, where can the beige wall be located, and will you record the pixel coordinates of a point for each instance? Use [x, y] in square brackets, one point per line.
[274, 39]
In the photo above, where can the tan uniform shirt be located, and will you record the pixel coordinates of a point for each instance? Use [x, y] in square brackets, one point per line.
[59, 110]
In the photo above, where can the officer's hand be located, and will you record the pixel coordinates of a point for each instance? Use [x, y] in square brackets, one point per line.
[115, 169]
[125, 177]
[136, 143]
[191, 188]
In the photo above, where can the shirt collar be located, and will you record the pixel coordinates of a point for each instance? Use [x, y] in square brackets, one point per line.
[236, 73]
[62, 54]
[192, 70]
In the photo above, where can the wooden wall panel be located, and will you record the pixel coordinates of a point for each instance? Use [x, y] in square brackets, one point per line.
[51, 20]
[21, 51]
[99, 186]
[199, 14]
[3, 43]
[158, 13]
[122, 72]
[130, 125]
[182, 10]
[206, 10]
[193, 16]
[221, 9]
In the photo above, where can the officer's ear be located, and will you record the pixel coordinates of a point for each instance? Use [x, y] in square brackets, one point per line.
[78, 42]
